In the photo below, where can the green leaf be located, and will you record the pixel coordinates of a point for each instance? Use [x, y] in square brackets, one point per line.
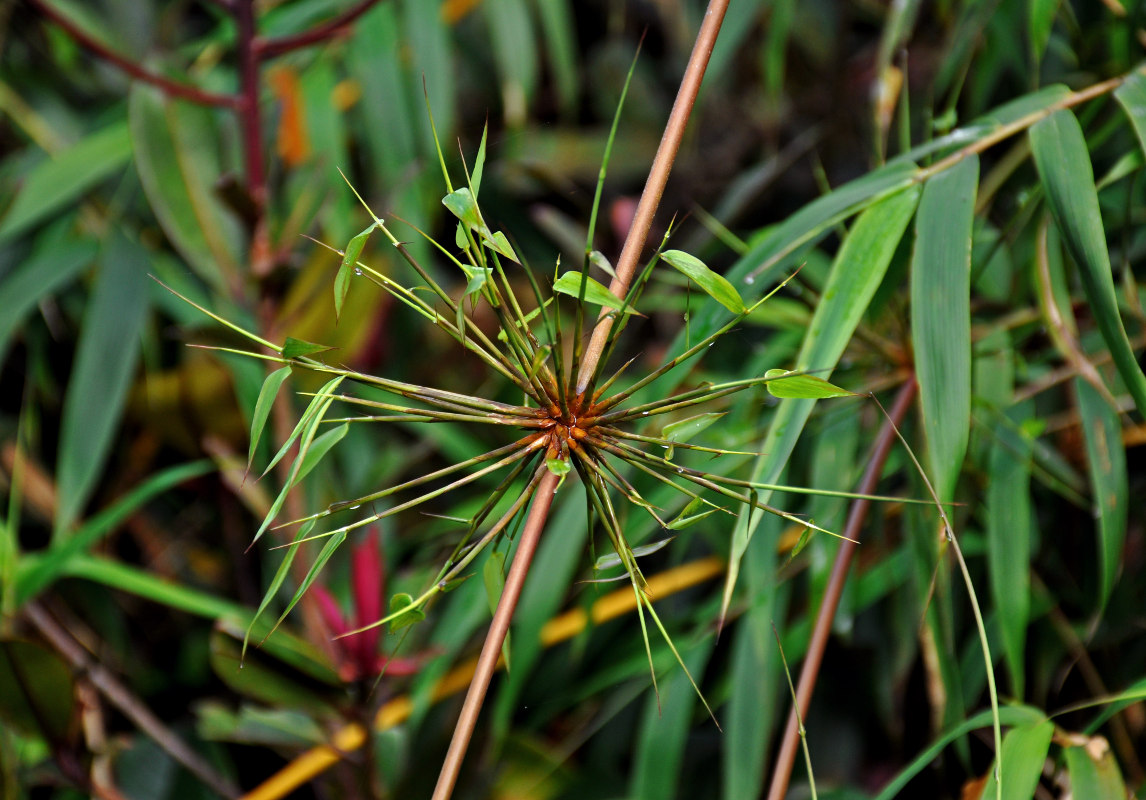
[263, 405]
[941, 317]
[176, 154]
[1106, 460]
[297, 348]
[690, 515]
[414, 615]
[558, 466]
[1040, 21]
[493, 577]
[500, 244]
[102, 374]
[332, 544]
[52, 265]
[1131, 95]
[36, 572]
[319, 448]
[1063, 162]
[1025, 749]
[347, 268]
[715, 285]
[462, 205]
[856, 273]
[62, 179]
[663, 732]
[571, 284]
[1009, 533]
[515, 46]
[1094, 772]
[684, 429]
[610, 560]
[1008, 715]
[801, 386]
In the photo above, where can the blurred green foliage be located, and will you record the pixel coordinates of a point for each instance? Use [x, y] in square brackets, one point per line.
[1009, 287]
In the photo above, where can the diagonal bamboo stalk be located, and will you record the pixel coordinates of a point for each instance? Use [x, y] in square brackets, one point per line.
[543, 500]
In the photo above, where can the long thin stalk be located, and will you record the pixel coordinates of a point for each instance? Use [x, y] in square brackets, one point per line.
[491, 649]
[655, 185]
[539, 512]
[811, 667]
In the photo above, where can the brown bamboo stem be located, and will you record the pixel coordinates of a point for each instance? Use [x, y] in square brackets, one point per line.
[491, 649]
[655, 185]
[856, 518]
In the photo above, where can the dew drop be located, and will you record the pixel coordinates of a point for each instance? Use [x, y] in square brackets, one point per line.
[644, 413]
[358, 271]
[680, 470]
[750, 279]
[355, 508]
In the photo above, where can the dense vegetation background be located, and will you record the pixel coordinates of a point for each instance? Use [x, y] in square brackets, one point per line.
[960, 185]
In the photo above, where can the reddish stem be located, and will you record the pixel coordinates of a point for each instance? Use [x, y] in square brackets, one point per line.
[170, 87]
[856, 518]
[269, 48]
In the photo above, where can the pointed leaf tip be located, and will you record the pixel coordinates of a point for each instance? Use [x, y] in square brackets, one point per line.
[801, 386]
[715, 285]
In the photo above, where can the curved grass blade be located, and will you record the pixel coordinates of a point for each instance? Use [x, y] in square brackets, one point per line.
[1009, 534]
[585, 289]
[1106, 459]
[941, 317]
[263, 405]
[1063, 162]
[104, 367]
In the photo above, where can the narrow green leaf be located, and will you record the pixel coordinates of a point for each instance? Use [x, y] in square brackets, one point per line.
[332, 544]
[347, 267]
[33, 575]
[801, 386]
[663, 732]
[414, 615]
[515, 47]
[941, 318]
[1063, 162]
[266, 679]
[595, 293]
[297, 348]
[1094, 772]
[493, 577]
[276, 583]
[685, 429]
[690, 513]
[103, 370]
[1008, 715]
[52, 265]
[856, 273]
[263, 405]
[610, 560]
[1106, 460]
[715, 285]
[1040, 21]
[60, 180]
[1131, 95]
[1025, 749]
[319, 448]
[176, 154]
